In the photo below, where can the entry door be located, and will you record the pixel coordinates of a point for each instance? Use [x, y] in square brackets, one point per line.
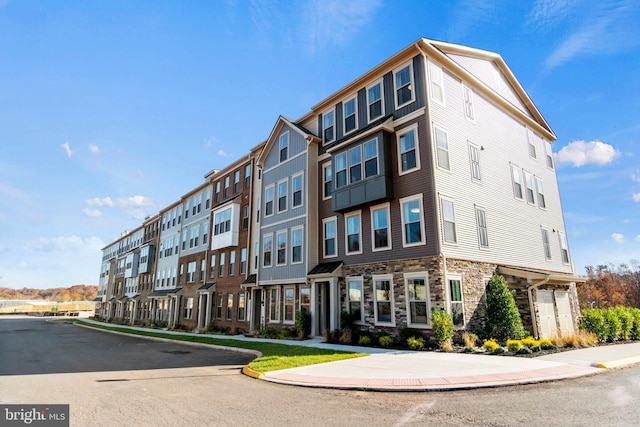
[258, 307]
[565, 318]
[546, 311]
[323, 306]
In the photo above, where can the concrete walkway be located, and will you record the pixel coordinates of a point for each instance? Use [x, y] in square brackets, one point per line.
[393, 370]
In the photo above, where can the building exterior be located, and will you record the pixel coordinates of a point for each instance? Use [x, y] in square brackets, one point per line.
[399, 194]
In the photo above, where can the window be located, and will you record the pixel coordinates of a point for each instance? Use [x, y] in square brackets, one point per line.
[349, 111]
[374, 100]
[540, 187]
[380, 227]
[217, 194]
[468, 102]
[481, 221]
[353, 233]
[219, 307]
[545, 243]
[455, 303]
[442, 148]
[449, 219]
[474, 160]
[243, 260]
[517, 182]
[412, 224]
[274, 305]
[232, 263]
[528, 179]
[236, 181]
[281, 239]
[282, 196]
[329, 226]
[241, 306]
[418, 299]
[222, 222]
[207, 202]
[289, 301]
[296, 245]
[564, 248]
[403, 86]
[245, 217]
[354, 295]
[531, 144]
[296, 188]
[229, 306]
[305, 299]
[355, 164]
[221, 266]
[247, 176]
[203, 267]
[188, 308]
[408, 156]
[284, 146]
[437, 85]
[226, 186]
[187, 206]
[383, 296]
[191, 272]
[327, 181]
[341, 169]
[212, 268]
[179, 214]
[328, 126]
[370, 149]
[205, 233]
[549, 154]
[268, 201]
[267, 242]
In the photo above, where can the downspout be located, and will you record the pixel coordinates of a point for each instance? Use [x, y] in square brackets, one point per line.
[531, 305]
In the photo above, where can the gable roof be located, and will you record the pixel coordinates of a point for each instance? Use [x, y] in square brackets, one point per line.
[280, 123]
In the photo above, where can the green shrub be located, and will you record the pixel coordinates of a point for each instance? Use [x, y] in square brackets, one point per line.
[415, 343]
[546, 344]
[405, 333]
[468, 350]
[490, 345]
[498, 350]
[303, 324]
[613, 324]
[524, 350]
[626, 321]
[364, 340]
[503, 317]
[535, 348]
[385, 341]
[514, 345]
[442, 326]
[635, 328]
[593, 321]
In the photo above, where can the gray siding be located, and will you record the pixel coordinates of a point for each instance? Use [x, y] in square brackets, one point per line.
[288, 271]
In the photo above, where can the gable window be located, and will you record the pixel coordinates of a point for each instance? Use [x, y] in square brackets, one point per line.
[380, 227]
[540, 187]
[274, 305]
[349, 111]
[341, 169]
[355, 164]
[329, 232]
[545, 243]
[328, 125]
[232, 263]
[528, 179]
[229, 306]
[418, 299]
[354, 295]
[403, 85]
[468, 102]
[474, 160]
[531, 144]
[412, 224]
[517, 182]
[383, 296]
[289, 301]
[327, 180]
[481, 221]
[296, 245]
[247, 176]
[236, 181]
[267, 243]
[222, 265]
[449, 218]
[456, 305]
[296, 188]
[284, 146]
[442, 144]
[408, 156]
[282, 196]
[370, 149]
[549, 154]
[353, 233]
[564, 247]
[374, 101]
[437, 84]
[227, 181]
[281, 241]
[268, 201]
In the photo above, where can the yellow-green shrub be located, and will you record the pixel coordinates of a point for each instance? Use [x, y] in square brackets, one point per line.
[514, 345]
[490, 345]
[530, 342]
[415, 343]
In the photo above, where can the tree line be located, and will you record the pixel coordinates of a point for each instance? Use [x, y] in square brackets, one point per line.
[73, 293]
[610, 286]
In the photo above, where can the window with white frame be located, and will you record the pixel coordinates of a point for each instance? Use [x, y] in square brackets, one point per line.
[212, 267]
[282, 196]
[540, 187]
[546, 244]
[370, 149]
[274, 305]
[380, 227]
[517, 182]
[236, 181]
[474, 161]
[449, 220]
[481, 221]
[222, 222]
[374, 101]
[219, 301]
[247, 176]
[289, 304]
[243, 260]
[412, 221]
[408, 157]
[229, 306]
[403, 80]
[530, 192]
[467, 93]
[417, 299]
[281, 248]
[549, 154]
[305, 299]
[203, 268]
[188, 308]
[327, 181]
[245, 217]
[442, 145]
[232, 263]
[267, 243]
[456, 305]
[222, 264]
[296, 188]
[268, 200]
[227, 181]
[355, 164]
[205, 233]
[329, 237]
[191, 272]
[241, 306]
[437, 83]
[354, 296]
[328, 126]
[341, 169]
[353, 233]
[296, 245]
[383, 298]
[531, 144]
[283, 143]
[564, 247]
[349, 111]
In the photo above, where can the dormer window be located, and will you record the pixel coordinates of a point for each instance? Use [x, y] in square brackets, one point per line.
[349, 111]
[328, 126]
[284, 146]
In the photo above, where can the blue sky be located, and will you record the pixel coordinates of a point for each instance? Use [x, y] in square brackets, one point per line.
[111, 110]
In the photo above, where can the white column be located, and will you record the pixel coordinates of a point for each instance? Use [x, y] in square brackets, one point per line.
[334, 306]
[314, 309]
[200, 301]
[207, 321]
[135, 310]
[170, 318]
[176, 314]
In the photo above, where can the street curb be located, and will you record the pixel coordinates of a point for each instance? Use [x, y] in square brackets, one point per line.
[251, 373]
[619, 363]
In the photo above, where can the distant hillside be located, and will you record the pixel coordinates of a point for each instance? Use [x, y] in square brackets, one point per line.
[74, 293]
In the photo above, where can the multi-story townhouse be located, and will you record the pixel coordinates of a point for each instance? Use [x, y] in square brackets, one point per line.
[192, 261]
[146, 268]
[106, 283]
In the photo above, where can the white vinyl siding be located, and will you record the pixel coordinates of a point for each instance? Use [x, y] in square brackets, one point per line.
[481, 221]
[442, 147]
[436, 83]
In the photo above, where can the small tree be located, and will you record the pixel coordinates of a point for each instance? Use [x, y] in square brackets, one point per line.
[503, 317]
[442, 327]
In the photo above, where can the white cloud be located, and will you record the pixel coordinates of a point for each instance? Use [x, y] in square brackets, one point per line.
[582, 153]
[67, 149]
[638, 237]
[92, 213]
[136, 207]
[100, 202]
[65, 244]
[636, 197]
[135, 201]
[94, 148]
[222, 153]
[635, 177]
[617, 237]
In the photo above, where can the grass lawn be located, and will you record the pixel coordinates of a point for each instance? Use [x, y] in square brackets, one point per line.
[274, 356]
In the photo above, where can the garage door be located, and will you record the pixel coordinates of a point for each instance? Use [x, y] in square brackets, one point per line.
[565, 318]
[546, 311]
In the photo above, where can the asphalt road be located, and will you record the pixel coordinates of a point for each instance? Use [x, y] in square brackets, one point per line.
[219, 395]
